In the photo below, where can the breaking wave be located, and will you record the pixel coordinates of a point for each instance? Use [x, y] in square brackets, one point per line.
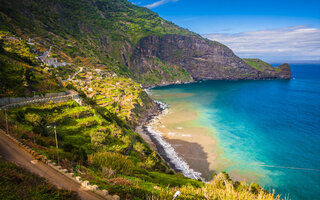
[177, 161]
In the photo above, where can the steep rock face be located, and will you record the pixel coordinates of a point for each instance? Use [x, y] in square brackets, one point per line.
[285, 71]
[201, 58]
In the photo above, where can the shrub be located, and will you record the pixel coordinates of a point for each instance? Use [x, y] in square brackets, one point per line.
[115, 161]
[220, 188]
[255, 188]
[120, 181]
[139, 147]
[107, 172]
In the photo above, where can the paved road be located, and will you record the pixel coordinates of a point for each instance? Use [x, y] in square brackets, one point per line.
[75, 74]
[15, 154]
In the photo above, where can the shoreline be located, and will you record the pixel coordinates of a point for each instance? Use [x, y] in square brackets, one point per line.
[186, 149]
[162, 146]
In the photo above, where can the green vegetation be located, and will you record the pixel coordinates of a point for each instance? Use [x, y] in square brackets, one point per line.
[18, 183]
[81, 130]
[96, 144]
[108, 31]
[221, 188]
[258, 64]
[164, 71]
[116, 162]
[119, 95]
[20, 73]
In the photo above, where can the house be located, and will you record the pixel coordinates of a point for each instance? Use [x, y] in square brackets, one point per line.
[53, 62]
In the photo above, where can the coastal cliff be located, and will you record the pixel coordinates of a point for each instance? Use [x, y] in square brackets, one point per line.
[200, 58]
[129, 40]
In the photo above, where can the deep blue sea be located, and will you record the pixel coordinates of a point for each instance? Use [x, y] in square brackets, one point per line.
[268, 127]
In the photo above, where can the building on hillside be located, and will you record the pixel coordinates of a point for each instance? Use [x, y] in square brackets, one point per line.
[53, 62]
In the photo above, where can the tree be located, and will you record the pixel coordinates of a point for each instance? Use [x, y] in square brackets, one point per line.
[38, 122]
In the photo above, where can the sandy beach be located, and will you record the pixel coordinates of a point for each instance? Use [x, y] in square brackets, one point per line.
[190, 141]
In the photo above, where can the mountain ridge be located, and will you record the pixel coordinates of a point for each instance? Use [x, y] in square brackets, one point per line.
[109, 32]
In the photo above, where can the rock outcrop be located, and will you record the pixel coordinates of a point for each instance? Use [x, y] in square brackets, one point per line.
[285, 71]
[201, 58]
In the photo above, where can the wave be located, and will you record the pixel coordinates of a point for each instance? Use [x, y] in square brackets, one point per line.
[171, 154]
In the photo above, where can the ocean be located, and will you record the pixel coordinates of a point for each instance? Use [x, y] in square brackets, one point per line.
[267, 131]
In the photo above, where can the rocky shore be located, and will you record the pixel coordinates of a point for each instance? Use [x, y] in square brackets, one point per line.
[164, 148]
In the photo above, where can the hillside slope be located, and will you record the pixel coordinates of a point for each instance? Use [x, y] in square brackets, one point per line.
[104, 31]
[124, 37]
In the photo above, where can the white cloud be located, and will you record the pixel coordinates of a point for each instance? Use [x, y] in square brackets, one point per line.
[159, 3]
[293, 43]
[136, 3]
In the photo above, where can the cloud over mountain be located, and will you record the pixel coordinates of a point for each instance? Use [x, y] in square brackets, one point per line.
[159, 3]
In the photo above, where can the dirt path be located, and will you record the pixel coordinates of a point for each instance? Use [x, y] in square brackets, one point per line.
[13, 153]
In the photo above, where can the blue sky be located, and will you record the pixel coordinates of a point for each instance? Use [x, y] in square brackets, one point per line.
[273, 30]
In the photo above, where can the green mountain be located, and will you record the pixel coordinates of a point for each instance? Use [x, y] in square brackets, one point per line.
[104, 31]
[127, 39]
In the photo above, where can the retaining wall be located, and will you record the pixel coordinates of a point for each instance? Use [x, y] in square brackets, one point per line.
[12, 100]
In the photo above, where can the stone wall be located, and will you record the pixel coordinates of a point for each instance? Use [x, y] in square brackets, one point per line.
[13, 100]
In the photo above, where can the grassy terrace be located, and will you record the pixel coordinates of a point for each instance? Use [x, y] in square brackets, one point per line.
[117, 94]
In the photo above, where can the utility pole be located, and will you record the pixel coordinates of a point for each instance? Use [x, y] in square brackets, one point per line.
[5, 111]
[57, 147]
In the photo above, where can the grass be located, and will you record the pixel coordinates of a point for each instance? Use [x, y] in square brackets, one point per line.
[18, 183]
[261, 65]
[258, 64]
[114, 161]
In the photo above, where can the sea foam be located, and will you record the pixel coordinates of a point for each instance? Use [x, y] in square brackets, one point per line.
[177, 161]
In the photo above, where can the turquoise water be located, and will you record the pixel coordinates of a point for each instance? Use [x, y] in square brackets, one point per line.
[266, 122]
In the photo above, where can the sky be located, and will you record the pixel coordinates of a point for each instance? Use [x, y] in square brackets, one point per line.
[272, 30]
